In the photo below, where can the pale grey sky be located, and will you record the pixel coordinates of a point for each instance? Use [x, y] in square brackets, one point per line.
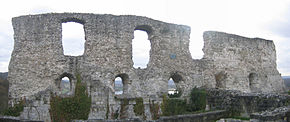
[268, 19]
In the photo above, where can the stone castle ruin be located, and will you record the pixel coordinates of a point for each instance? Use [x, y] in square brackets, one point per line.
[38, 62]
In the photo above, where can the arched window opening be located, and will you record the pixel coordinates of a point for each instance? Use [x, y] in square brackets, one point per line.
[65, 86]
[121, 84]
[140, 49]
[118, 85]
[73, 38]
[174, 89]
[253, 82]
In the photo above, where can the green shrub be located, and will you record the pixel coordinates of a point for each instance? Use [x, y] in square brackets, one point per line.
[154, 109]
[197, 103]
[197, 100]
[175, 95]
[76, 107]
[15, 110]
[174, 107]
[124, 104]
[139, 107]
[164, 103]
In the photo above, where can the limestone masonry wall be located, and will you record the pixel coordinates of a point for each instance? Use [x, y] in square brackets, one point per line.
[38, 63]
[245, 64]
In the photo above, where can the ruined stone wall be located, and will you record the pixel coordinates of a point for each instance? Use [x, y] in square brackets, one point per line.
[245, 64]
[38, 63]
[244, 104]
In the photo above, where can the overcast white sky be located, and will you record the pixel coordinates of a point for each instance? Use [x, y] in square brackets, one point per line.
[267, 19]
